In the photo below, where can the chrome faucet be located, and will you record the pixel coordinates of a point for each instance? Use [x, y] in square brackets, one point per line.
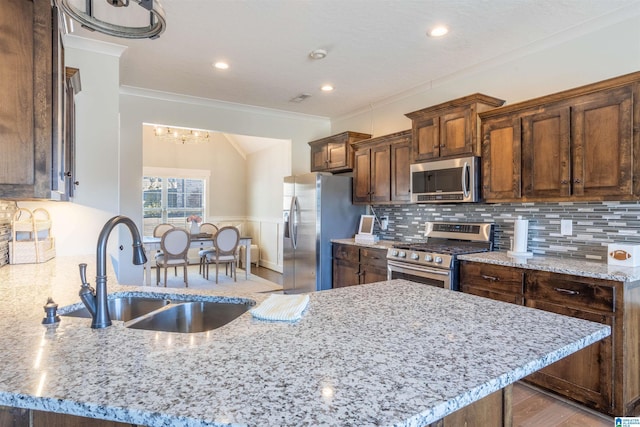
[96, 300]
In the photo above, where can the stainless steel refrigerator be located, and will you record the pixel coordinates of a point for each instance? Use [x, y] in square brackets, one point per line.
[317, 208]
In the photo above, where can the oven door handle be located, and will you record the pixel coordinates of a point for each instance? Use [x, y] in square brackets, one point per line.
[417, 269]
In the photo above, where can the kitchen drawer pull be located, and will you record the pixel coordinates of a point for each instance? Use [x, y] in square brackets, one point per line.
[493, 279]
[566, 291]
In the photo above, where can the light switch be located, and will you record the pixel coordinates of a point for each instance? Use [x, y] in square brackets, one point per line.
[566, 227]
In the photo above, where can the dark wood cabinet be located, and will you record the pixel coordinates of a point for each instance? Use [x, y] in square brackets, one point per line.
[26, 92]
[357, 265]
[574, 145]
[381, 169]
[334, 153]
[450, 129]
[587, 376]
[602, 376]
[15, 417]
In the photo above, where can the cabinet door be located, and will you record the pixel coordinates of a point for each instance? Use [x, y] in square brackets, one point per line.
[345, 273]
[336, 155]
[381, 173]
[26, 92]
[456, 134]
[362, 176]
[546, 154]
[587, 375]
[501, 156]
[426, 141]
[602, 133]
[319, 158]
[400, 172]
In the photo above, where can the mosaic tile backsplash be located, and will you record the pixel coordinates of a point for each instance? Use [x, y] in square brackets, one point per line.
[595, 224]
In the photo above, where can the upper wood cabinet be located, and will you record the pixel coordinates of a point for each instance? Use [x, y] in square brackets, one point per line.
[26, 93]
[334, 153]
[450, 129]
[381, 169]
[574, 145]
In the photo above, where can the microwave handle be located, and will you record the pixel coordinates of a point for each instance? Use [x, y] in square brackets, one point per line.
[465, 180]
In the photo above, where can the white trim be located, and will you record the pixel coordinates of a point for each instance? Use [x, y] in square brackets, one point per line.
[97, 46]
[208, 102]
[176, 172]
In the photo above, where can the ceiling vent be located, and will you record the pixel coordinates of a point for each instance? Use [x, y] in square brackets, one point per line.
[298, 99]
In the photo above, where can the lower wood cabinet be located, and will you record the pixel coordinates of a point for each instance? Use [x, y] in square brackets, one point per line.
[16, 417]
[603, 376]
[357, 265]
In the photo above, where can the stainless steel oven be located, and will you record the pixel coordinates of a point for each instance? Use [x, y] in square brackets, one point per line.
[434, 261]
[428, 276]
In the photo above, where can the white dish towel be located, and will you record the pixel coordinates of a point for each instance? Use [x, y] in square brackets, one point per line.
[286, 308]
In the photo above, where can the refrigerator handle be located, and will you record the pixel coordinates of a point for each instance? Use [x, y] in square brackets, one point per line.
[294, 214]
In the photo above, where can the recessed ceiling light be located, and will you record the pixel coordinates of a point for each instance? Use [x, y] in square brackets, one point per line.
[327, 88]
[318, 54]
[438, 31]
[221, 65]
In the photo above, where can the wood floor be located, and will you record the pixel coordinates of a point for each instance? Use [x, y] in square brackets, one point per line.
[535, 408]
[531, 407]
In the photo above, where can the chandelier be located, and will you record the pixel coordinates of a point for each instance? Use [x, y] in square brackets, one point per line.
[116, 18]
[181, 135]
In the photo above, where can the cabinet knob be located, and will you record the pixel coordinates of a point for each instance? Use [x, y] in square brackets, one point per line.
[564, 182]
[76, 182]
[67, 173]
[577, 181]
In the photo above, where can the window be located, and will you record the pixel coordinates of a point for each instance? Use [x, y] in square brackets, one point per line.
[168, 196]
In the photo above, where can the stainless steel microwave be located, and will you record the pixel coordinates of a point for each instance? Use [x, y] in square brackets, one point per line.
[446, 181]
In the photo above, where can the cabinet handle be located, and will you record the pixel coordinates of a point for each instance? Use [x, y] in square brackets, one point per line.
[564, 181]
[577, 181]
[68, 173]
[566, 291]
[493, 279]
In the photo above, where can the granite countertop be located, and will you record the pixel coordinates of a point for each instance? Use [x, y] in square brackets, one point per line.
[576, 267]
[392, 353]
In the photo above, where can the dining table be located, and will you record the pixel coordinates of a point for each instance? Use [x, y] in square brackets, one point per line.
[200, 241]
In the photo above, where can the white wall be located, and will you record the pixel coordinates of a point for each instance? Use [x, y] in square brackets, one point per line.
[568, 60]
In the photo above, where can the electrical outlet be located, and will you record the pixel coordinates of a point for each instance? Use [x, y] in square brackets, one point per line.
[566, 227]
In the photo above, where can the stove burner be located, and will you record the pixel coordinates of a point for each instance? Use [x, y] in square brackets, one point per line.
[441, 248]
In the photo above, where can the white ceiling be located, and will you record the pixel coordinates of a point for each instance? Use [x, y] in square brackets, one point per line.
[376, 48]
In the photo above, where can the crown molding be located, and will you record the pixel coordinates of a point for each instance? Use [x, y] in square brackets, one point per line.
[97, 46]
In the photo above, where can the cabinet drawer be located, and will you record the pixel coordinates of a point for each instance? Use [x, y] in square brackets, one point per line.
[373, 257]
[346, 252]
[492, 278]
[571, 291]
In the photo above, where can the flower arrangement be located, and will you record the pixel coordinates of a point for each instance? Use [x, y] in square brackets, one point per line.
[194, 218]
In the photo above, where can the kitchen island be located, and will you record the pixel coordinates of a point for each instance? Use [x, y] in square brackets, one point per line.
[388, 353]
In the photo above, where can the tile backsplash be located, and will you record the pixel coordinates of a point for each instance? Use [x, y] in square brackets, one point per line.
[595, 224]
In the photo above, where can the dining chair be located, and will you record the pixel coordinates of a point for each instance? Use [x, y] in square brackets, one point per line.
[206, 228]
[225, 251]
[175, 246]
[158, 231]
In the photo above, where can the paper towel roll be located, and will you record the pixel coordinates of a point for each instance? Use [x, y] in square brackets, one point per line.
[520, 235]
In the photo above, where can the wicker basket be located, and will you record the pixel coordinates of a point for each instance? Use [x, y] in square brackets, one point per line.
[31, 241]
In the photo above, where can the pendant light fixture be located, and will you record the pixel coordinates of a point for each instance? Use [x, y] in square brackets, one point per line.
[118, 18]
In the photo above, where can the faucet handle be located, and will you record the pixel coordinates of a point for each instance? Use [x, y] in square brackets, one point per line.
[83, 274]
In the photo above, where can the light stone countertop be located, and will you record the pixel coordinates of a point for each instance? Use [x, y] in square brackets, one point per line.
[392, 353]
[575, 267]
[380, 244]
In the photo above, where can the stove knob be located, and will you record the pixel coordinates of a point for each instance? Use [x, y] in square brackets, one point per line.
[402, 254]
[415, 256]
[428, 258]
[438, 260]
[394, 252]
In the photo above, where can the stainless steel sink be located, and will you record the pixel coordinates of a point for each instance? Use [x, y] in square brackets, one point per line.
[190, 317]
[126, 308]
